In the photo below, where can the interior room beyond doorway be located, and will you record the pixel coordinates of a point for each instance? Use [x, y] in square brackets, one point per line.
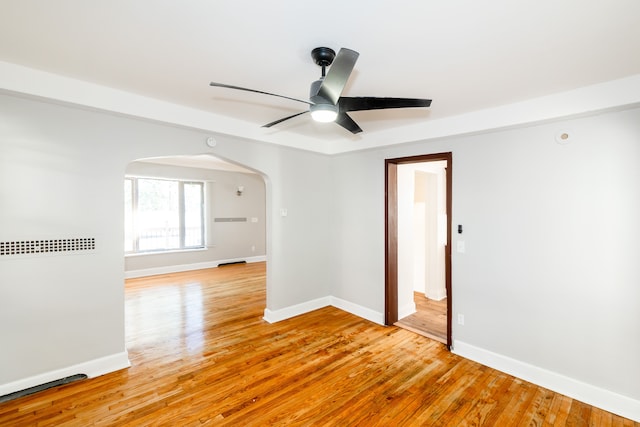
[422, 240]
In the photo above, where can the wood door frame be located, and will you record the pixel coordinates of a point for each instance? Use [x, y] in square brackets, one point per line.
[391, 234]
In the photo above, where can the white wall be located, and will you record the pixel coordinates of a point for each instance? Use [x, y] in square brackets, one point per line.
[226, 241]
[433, 239]
[406, 238]
[61, 173]
[550, 274]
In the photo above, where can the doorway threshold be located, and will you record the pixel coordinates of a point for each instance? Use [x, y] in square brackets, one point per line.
[415, 330]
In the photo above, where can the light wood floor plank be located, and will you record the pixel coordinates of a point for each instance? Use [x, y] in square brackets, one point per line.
[203, 356]
[536, 413]
[430, 318]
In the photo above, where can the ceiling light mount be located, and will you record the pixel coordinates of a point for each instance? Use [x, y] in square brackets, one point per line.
[323, 56]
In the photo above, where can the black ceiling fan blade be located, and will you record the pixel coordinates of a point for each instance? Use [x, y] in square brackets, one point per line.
[256, 91]
[373, 103]
[268, 125]
[339, 72]
[347, 122]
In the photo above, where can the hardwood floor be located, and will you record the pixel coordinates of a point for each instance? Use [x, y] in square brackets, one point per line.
[202, 355]
[430, 318]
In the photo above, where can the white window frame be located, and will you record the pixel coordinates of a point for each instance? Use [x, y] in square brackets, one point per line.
[181, 215]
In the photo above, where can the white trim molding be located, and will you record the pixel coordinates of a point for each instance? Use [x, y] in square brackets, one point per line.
[614, 94]
[46, 85]
[272, 316]
[438, 295]
[358, 310]
[407, 310]
[91, 368]
[587, 393]
[188, 267]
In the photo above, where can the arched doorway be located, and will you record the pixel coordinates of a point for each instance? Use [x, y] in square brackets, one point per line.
[229, 224]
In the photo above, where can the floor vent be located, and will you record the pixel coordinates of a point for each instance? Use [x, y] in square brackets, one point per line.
[41, 387]
[23, 247]
[232, 263]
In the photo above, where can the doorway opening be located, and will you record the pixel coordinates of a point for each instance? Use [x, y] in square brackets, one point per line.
[418, 244]
[165, 260]
[189, 212]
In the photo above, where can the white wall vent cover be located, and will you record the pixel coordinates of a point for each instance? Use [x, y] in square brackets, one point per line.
[25, 247]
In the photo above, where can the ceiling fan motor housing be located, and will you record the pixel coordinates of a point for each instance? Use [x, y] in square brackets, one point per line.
[322, 110]
[313, 93]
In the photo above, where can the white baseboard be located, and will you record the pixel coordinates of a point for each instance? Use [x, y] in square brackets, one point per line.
[587, 393]
[273, 316]
[437, 295]
[406, 310]
[358, 310]
[91, 369]
[188, 267]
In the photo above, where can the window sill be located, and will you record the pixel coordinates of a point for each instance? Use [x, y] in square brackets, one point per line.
[168, 252]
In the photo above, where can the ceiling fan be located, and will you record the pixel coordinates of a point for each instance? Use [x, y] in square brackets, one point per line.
[325, 101]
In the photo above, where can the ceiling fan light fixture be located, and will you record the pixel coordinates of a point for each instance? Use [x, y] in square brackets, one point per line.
[324, 113]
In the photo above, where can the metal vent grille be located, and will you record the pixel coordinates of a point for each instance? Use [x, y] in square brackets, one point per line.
[47, 246]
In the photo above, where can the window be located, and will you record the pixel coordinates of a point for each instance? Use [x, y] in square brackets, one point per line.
[162, 215]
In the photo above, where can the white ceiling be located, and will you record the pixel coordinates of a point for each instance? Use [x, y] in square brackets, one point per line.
[202, 161]
[466, 55]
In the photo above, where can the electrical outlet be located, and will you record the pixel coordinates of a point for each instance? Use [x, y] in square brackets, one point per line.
[460, 319]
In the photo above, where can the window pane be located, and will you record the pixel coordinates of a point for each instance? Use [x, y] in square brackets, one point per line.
[158, 221]
[193, 215]
[128, 215]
